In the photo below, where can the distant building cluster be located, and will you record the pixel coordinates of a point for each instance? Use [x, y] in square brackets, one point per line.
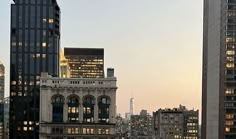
[141, 126]
[175, 123]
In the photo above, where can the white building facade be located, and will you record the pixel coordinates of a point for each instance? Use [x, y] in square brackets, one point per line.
[77, 108]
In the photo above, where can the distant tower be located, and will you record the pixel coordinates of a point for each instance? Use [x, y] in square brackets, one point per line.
[131, 107]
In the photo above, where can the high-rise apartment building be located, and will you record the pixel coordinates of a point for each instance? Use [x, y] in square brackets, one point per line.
[85, 62]
[2, 87]
[35, 41]
[2, 81]
[219, 70]
[6, 117]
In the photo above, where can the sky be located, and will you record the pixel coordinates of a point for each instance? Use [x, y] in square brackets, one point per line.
[155, 46]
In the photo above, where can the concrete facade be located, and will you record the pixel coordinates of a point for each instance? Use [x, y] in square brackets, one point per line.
[176, 123]
[219, 74]
[141, 126]
[80, 128]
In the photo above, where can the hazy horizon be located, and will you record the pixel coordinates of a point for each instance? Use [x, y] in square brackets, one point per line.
[155, 47]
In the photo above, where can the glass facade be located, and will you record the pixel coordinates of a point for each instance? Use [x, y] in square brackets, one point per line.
[230, 71]
[85, 62]
[35, 40]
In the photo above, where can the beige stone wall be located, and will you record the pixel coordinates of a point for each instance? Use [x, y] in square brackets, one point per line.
[80, 87]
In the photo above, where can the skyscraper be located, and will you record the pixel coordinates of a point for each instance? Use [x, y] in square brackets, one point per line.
[2, 84]
[2, 81]
[219, 70]
[35, 40]
[85, 62]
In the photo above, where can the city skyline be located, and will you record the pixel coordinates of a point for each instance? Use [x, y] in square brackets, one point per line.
[148, 48]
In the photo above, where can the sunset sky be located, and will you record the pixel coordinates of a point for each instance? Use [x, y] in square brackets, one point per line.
[155, 46]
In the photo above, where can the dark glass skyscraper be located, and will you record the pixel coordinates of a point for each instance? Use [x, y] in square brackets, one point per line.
[85, 62]
[35, 42]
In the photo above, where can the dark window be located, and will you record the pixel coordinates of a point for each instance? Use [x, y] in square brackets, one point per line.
[57, 112]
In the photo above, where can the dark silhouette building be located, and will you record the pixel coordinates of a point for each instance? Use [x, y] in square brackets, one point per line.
[85, 62]
[35, 42]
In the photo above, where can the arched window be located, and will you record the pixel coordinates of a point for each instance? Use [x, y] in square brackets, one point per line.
[57, 108]
[73, 108]
[103, 109]
[88, 109]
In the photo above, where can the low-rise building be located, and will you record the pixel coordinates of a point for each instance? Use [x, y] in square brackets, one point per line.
[122, 127]
[176, 123]
[141, 126]
[77, 108]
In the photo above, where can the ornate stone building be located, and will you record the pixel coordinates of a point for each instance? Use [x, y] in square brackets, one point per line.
[77, 108]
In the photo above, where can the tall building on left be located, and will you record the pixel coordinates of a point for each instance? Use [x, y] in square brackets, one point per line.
[35, 43]
[2, 84]
[2, 80]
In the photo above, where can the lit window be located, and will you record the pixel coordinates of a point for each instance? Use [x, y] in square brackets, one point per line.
[227, 129]
[31, 128]
[13, 82]
[229, 116]
[230, 65]
[107, 131]
[230, 52]
[37, 55]
[30, 122]
[25, 128]
[229, 123]
[25, 122]
[44, 20]
[20, 43]
[230, 39]
[44, 44]
[44, 55]
[84, 130]
[230, 59]
[13, 43]
[229, 91]
[50, 20]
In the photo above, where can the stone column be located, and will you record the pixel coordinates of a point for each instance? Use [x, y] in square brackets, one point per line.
[81, 112]
[96, 112]
[65, 112]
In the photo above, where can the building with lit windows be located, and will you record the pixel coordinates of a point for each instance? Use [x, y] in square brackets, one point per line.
[6, 103]
[77, 108]
[141, 126]
[176, 123]
[2, 88]
[2, 81]
[2, 84]
[219, 70]
[85, 62]
[122, 127]
[34, 48]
